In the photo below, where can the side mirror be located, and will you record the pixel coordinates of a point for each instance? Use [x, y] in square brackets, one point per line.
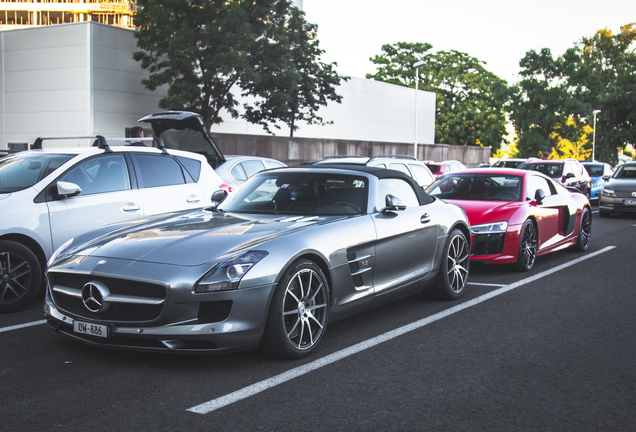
[218, 197]
[393, 203]
[568, 176]
[539, 195]
[67, 189]
[606, 177]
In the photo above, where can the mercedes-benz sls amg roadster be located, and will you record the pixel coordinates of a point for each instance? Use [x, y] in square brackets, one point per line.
[516, 215]
[268, 266]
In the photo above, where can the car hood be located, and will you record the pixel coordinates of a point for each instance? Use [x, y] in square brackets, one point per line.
[621, 184]
[197, 237]
[481, 212]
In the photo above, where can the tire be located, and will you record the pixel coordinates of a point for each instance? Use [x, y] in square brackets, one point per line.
[604, 213]
[527, 247]
[585, 231]
[297, 318]
[454, 269]
[20, 276]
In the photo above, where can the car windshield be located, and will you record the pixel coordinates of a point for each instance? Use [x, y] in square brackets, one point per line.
[470, 186]
[625, 172]
[22, 170]
[594, 170]
[300, 193]
[434, 168]
[554, 170]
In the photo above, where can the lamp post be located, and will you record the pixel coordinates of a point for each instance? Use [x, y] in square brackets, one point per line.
[594, 135]
[417, 67]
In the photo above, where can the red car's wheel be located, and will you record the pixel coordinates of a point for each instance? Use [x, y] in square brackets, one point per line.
[585, 231]
[527, 246]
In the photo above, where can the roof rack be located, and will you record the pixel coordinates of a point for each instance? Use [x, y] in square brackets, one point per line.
[394, 156]
[100, 141]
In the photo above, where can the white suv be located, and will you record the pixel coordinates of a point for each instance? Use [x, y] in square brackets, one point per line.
[407, 164]
[48, 196]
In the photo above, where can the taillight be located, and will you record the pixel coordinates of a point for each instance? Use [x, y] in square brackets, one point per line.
[226, 187]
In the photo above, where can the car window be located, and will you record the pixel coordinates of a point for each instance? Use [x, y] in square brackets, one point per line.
[251, 167]
[595, 170]
[625, 172]
[273, 164]
[552, 170]
[400, 167]
[159, 170]
[423, 176]
[106, 173]
[238, 173]
[535, 183]
[468, 186]
[23, 170]
[398, 188]
[193, 167]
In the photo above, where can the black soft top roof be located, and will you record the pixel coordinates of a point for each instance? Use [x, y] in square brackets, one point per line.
[378, 172]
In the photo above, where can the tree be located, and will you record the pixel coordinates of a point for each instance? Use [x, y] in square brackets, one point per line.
[470, 99]
[290, 82]
[208, 51]
[556, 97]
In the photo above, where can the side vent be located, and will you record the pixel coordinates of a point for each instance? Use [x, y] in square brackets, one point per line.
[354, 268]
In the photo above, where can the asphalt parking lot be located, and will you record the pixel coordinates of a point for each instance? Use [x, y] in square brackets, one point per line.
[551, 349]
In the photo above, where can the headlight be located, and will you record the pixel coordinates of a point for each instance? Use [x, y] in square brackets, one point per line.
[59, 251]
[492, 228]
[598, 183]
[227, 274]
[608, 192]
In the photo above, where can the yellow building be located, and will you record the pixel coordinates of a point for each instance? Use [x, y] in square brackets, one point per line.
[34, 13]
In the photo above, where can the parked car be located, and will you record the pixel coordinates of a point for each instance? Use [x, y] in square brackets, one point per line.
[407, 164]
[597, 170]
[288, 252]
[236, 169]
[441, 168]
[50, 195]
[619, 193]
[517, 215]
[509, 162]
[568, 172]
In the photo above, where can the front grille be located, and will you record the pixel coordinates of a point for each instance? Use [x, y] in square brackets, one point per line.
[488, 244]
[214, 311]
[122, 312]
[624, 194]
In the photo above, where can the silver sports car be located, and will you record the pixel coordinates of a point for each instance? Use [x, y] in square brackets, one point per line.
[269, 267]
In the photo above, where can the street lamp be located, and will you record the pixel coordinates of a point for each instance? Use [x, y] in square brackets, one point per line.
[594, 134]
[417, 67]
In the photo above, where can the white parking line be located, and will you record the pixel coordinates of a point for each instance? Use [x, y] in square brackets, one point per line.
[254, 389]
[19, 326]
[485, 284]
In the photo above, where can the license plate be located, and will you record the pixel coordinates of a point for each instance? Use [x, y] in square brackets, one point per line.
[90, 329]
[629, 202]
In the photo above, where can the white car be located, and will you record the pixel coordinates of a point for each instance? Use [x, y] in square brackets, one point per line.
[48, 196]
[237, 169]
[409, 165]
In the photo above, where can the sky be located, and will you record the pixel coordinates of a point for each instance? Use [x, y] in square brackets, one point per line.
[498, 32]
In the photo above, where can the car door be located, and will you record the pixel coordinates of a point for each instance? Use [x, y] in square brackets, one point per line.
[107, 197]
[547, 212]
[406, 239]
[165, 186]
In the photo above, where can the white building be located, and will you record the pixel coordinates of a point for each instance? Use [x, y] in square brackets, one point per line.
[80, 79]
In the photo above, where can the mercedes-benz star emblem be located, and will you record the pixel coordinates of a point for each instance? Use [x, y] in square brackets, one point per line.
[94, 295]
[634, 194]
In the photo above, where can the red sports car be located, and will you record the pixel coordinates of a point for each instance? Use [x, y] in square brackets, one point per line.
[517, 215]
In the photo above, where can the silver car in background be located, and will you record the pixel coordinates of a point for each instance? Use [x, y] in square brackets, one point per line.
[236, 169]
[269, 267]
[619, 192]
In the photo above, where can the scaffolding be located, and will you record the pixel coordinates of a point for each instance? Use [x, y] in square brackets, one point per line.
[34, 13]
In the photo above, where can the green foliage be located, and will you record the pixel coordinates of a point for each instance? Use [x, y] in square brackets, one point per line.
[470, 99]
[202, 50]
[596, 73]
[289, 81]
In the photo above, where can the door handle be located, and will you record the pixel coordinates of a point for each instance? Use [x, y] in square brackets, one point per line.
[193, 199]
[131, 207]
[425, 218]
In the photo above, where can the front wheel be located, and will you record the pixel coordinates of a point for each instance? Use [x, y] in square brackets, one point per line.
[297, 318]
[527, 247]
[453, 272]
[20, 276]
[585, 231]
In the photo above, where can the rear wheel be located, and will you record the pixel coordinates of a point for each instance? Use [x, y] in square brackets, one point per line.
[455, 266]
[527, 247]
[297, 318]
[585, 231]
[20, 276]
